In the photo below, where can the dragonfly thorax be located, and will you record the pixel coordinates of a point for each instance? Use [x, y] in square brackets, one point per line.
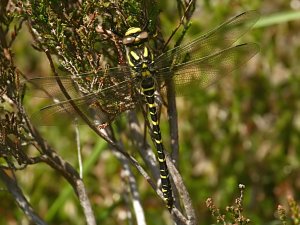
[139, 55]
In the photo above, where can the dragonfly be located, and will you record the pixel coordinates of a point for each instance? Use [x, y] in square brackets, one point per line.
[103, 95]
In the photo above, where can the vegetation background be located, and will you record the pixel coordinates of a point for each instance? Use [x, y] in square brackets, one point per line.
[244, 129]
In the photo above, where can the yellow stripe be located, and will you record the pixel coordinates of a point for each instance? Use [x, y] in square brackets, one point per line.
[132, 30]
[134, 55]
[163, 177]
[148, 89]
[151, 105]
[158, 141]
[129, 61]
[155, 123]
[161, 160]
[145, 52]
[146, 73]
[150, 95]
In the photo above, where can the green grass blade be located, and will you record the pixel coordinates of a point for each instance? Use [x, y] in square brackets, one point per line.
[277, 18]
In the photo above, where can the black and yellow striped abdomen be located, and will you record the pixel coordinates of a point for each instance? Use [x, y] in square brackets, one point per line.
[148, 88]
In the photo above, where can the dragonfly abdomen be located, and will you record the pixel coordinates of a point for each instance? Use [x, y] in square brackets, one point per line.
[148, 89]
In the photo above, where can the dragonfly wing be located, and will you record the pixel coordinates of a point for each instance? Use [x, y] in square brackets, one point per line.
[220, 38]
[76, 85]
[203, 72]
[110, 95]
[47, 87]
[50, 114]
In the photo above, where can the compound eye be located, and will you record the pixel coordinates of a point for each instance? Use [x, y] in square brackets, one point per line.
[128, 40]
[143, 35]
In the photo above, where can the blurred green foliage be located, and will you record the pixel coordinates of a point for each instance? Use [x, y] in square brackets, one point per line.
[245, 129]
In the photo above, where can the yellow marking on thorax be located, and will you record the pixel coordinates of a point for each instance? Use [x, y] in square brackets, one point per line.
[134, 55]
[129, 61]
[146, 52]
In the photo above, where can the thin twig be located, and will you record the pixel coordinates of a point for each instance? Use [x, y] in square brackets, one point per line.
[19, 197]
[85, 202]
[173, 121]
[133, 188]
[143, 147]
[180, 23]
[186, 200]
[137, 206]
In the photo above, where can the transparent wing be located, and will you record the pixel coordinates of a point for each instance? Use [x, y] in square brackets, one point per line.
[205, 71]
[109, 95]
[220, 38]
[48, 87]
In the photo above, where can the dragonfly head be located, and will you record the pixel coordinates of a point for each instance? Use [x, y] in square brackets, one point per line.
[135, 36]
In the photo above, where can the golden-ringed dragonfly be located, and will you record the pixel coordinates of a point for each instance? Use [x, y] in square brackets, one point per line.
[106, 94]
